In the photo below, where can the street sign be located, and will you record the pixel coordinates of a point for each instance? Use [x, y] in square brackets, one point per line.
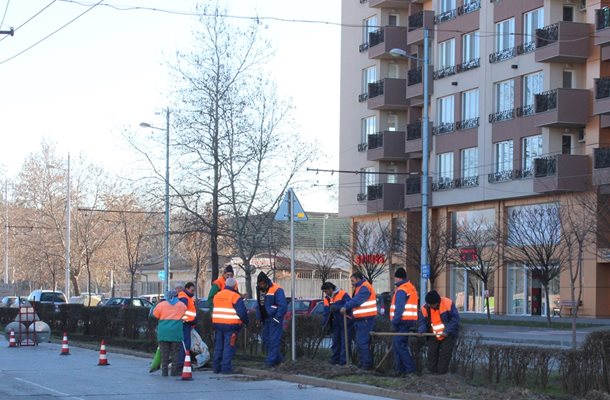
[298, 213]
[161, 275]
[425, 271]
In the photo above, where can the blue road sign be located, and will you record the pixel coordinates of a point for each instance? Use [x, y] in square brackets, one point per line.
[161, 275]
[298, 213]
[425, 271]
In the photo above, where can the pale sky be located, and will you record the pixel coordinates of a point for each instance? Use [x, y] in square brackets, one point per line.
[107, 72]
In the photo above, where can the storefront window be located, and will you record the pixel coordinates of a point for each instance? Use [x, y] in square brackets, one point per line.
[526, 295]
[468, 292]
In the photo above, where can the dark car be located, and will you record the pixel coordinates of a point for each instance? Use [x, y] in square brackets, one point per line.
[203, 305]
[124, 302]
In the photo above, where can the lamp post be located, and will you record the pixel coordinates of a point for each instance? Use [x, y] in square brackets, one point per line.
[67, 284]
[424, 267]
[166, 261]
[6, 232]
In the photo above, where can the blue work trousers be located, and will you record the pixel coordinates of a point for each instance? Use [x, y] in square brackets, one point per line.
[338, 341]
[225, 338]
[403, 362]
[186, 339]
[363, 328]
[272, 339]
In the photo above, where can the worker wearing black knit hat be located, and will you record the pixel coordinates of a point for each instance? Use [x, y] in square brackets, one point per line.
[439, 316]
[403, 317]
[270, 311]
[220, 283]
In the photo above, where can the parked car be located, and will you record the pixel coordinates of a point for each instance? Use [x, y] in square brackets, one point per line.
[11, 301]
[124, 302]
[48, 297]
[153, 298]
[203, 305]
[88, 300]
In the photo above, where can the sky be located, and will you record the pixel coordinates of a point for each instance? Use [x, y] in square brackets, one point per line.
[108, 71]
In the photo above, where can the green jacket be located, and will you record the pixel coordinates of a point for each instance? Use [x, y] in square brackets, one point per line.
[169, 313]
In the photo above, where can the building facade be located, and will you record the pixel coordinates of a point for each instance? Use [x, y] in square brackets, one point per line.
[519, 116]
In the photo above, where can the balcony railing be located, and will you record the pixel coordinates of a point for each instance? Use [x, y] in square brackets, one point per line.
[546, 101]
[545, 166]
[361, 196]
[443, 127]
[444, 72]
[376, 37]
[468, 65]
[470, 7]
[602, 18]
[414, 131]
[504, 115]
[602, 88]
[601, 158]
[469, 181]
[362, 97]
[416, 21]
[526, 48]
[442, 184]
[525, 111]
[362, 147]
[502, 55]
[413, 185]
[467, 124]
[547, 35]
[500, 176]
[524, 173]
[415, 76]
[375, 89]
[363, 47]
[374, 192]
[375, 141]
[446, 16]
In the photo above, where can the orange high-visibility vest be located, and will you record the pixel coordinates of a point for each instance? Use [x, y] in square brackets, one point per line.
[221, 281]
[224, 308]
[438, 327]
[337, 297]
[271, 292]
[369, 307]
[191, 311]
[410, 311]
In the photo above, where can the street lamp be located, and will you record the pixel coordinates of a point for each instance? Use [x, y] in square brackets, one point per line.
[166, 236]
[424, 266]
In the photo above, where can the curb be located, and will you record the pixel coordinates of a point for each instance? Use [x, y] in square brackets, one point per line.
[338, 385]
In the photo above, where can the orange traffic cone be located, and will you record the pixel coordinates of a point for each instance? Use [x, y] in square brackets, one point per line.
[65, 350]
[187, 373]
[11, 341]
[103, 359]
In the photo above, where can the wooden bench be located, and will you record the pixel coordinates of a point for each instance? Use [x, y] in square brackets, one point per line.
[564, 304]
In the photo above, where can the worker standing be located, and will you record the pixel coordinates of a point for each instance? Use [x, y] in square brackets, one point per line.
[169, 312]
[270, 311]
[219, 284]
[364, 309]
[439, 316]
[403, 317]
[334, 299]
[186, 296]
[227, 317]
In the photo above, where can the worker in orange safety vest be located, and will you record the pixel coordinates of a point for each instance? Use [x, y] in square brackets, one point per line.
[186, 296]
[403, 317]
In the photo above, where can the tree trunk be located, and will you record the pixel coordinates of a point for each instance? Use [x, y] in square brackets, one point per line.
[486, 294]
[74, 284]
[248, 274]
[132, 278]
[548, 308]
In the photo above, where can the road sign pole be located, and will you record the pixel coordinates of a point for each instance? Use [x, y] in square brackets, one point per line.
[292, 275]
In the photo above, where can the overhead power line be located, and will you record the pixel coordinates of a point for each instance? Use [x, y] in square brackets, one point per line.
[31, 18]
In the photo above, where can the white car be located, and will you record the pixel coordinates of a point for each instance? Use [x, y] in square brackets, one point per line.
[48, 297]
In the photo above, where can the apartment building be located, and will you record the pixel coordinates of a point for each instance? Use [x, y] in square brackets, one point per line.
[519, 115]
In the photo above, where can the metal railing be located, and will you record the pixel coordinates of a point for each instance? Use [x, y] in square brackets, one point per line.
[602, 87]
[363, 47]
[470, 7]
[416, 21]
[444, 72]
[413, 185]
[374, 192]
[504, 115]
[443, 127]
[468, 65]
[524, 173]
[546, 101]
[469, 181]
[601, 157]
[362, 147]
[525, 111]
[361, 196]
[602, 18]
[376, 37]
[442, 184]
[545, 166]
[467, 124]
[375, 141]
[375, 89]
[502, 55]
[500, 176]
[446, 16]
[415, 76]
[526, 47]
[414, 131]
[547, 35]
[362, 97]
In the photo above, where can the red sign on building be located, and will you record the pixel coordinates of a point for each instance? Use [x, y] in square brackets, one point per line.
[369, 259]
[468, 255]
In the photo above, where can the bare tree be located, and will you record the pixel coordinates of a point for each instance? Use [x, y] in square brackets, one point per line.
[533, 237]
[196, 246]
[324, 261]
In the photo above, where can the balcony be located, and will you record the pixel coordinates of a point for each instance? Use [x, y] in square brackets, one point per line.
[387, 94]
[601, 105]
[443, 128]
[469, 8]
[414, 143]
[562, 173]
[500, 176]
[601, 166]
[446, 16]
[468, 65]
[442, 184]
[385, 39]
[563, 42]
[444, 72]
[389, 3]
[386, 146]
[470, 123]
[503, 115]
[602, 23]
[415, 85]
[468, 182]
[417, 23]
[562, 108]
[385, 197]
[413, 192]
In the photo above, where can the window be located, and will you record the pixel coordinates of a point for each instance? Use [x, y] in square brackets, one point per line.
[445, 167]
[470, 46]
[393, 71]
[393, 19]
[368, 127]
[470, 162]
[531, 21]
[367, 178]
[505, 34]
[504, 156]
[470, 104]
[469, 220]
[369, 75]
[392, 122]
[532, 148]
[568, 79]
[532, 85]
[369, 25]
[446, 5]
[505, 95]
[566, 144]
[446, 53]
[391, 177]
[446, 111]
[568, 13]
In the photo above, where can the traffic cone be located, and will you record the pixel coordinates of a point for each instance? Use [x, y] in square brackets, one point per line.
[187, 373]
[65, 350]
[11, 341]
[103, 359]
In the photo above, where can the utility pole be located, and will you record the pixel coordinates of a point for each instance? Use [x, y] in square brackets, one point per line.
[6, 231]
[67, 284]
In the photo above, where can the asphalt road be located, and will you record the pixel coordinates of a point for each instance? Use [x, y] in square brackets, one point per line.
[40, 373]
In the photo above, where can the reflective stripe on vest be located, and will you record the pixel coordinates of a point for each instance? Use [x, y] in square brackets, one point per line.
[191, 311]
[438, 327]
[369, 307]
[410, 311]
[224, 308]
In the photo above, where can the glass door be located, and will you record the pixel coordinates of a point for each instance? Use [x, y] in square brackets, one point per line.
[518, 290]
